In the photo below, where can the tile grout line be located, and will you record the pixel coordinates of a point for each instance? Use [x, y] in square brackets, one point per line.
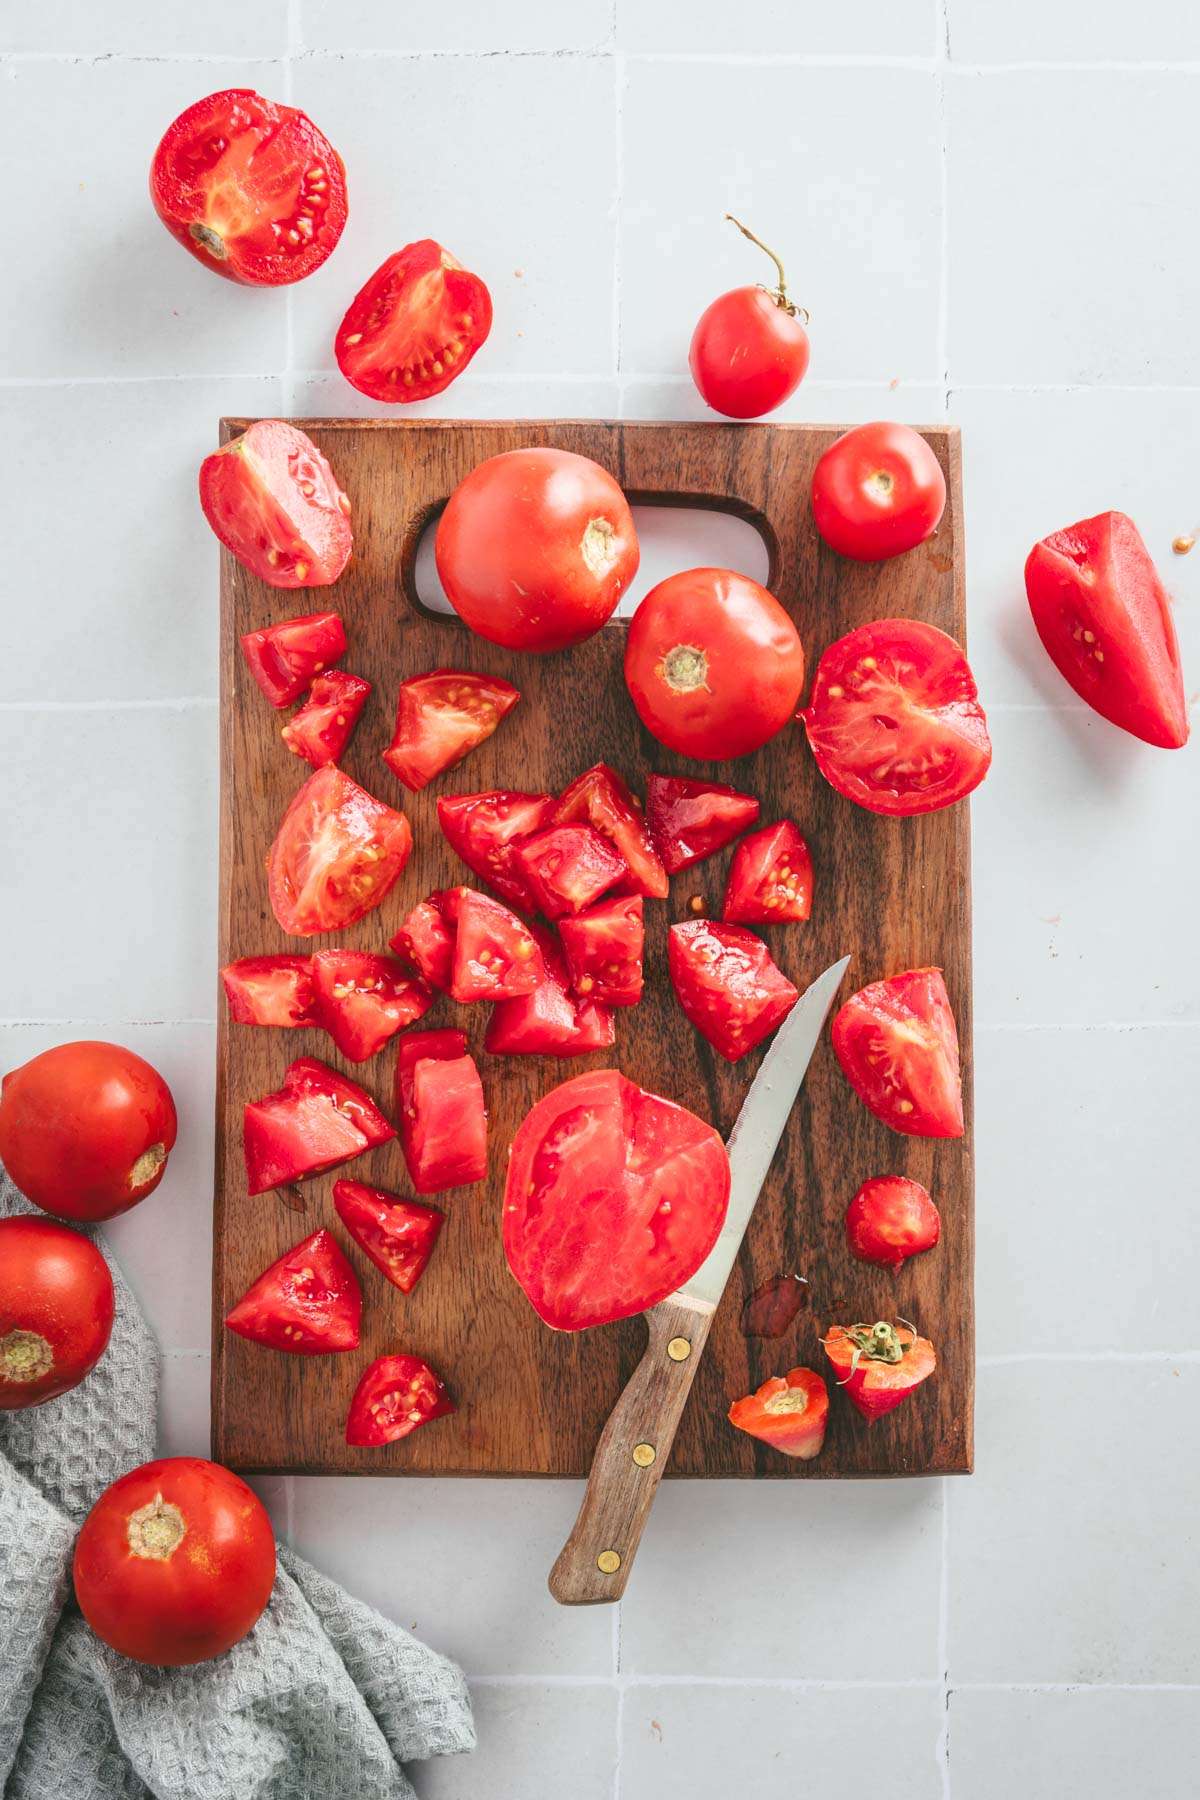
[618, 198]
[942, 1749]
[941, 60]
[617, 1678]
[644, 377]
[596, 52]
[802, 1684]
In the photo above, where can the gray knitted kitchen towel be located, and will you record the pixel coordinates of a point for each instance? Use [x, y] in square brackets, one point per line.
[323, 1701]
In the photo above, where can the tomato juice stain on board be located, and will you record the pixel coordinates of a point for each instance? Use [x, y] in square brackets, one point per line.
[773, 1308]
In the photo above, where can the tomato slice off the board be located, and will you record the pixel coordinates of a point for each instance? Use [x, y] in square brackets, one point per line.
[271, 990]
[414, 326]
[770, 878]
[441, 1110]
[397, 1234]
[426, 942]
[877, 1366]
[894, 719]
[364, 999]
[550, 1021]
[601, 797]
[272, 499]
[728, 984]
[323, 726]
[484, 829]
[308, 1303]
[440, 718]
[604, 948]
[690, 820]
[568, 866]
[898, 1046]
[316, 1120]
[789, 1412]
[394, 1397]
[285, 659]
[614, 1198]
[336, 854]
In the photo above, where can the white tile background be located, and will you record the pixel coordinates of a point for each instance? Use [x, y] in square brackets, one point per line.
[989, 207]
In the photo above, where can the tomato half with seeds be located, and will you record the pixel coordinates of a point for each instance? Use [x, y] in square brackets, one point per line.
[252, 188]
[550, 1021]
[690, 820]
[272, 499]
[308, 1302]
[790, 1412]
[894, 719]
[770, 878]
[395, 1396]
[878, 1365]
[890, 1219]
[364, 999]
[285, 659]
[484, 829]
[601, 797]
[878, 491]
[495, 955]
[566, 867]
[414, 326]
[604, 948]
[614, 1198]
[898, 1046]
[440, 718]
[426, 942]
[324, 725]
[56, 1310]
[316, 1120]
[337, 853]
[271, 990]
[441, 1111]
[728, 985]
[397, 1234]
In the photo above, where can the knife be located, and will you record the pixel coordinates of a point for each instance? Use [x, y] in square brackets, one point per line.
[594, 1563]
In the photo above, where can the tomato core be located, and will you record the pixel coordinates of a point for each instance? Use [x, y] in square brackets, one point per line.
[685, 669]
[156, 1530]
[792, 1400]
[147, 1166]
[879, 485]
[25, 1356]
[598, 546]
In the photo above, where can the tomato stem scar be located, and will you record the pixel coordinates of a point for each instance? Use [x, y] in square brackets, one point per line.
[156, 1530]
[25, 1356]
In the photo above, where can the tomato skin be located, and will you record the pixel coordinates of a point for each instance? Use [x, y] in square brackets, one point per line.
[604, 948]
[316, 1120]
[364, 999]
[748, 353]
[770, 878]
[308, 1303]
[395, 1396]
[890, 1219]
[876, 1387]
[601, 797]
[690, 820]
[713, 664]
[790, 1412]
[440, 718]
[550, 1021]
[898, 1046]
[56, 1310]
[535, 548]
[441, 1111]
[250, 188]
[86, 1129]
[284, 659]
[272, 499]
[728, 985]
[147, 1596]
[324, 725]
[567, 867]
[397, 1234]
[337, 854]
[414, 326]
[1104, 618]
[878, 492]
[484, 829]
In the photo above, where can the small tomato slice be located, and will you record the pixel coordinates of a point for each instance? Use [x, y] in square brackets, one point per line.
[890, 1219]
[308, 1302]
[566, 867]
[878, 1365]
[364, 999]
[770, 878]
[601, 797]
[495, 956]
[56, 1310]
[604, 948]
[440, 1106]
[285, 659]
[414, 326]
[272, 499]
[894, 719]
[789, 1412]
[878, 491]
[550, 1021]
[440, 718]
[398, 1235]
[484, 829]
[728, 985]
[396, 1394]
[316, 1120]
[426, 941]
[690, 820]
[336, 854]
[323, 726]
[271, 990]
[898, 1046]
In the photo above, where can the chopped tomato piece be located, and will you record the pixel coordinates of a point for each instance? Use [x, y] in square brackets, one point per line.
[270, 990]
[890, 1219]
[336, 854]
[443, 1119]
[878, 1365]
[603, 948]
[396, 1394]
[770, 878]
[789, 1412]
[427, 942]
[285, 659]
[323, 726]
[690, 820]
[602, 798]
[316, 1120]
[566, 867]
[414, 326]
[309, 1302]
[549, 1021]
[274, 502]
[495, 955]
[728, 985]
[440, 718]
[364, 999]
[898, 1046]
[485, 829]
[398, 1235]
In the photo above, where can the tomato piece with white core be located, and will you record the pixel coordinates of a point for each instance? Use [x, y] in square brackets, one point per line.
[336, 855]
[790, 1412]
[770, 878]
[426, 942]
[728, 985]
[414, 326]
[394, 1397]
[441, 1111]
[320, 730]
[307, 1303]
[550, 1021]
[878, 1365]
[690, 820]
[440, 718]
[601, 797]
[749, 351]
[316, 1120]
[271, 990]
[890, 1219]
[274, 502]
[364, 999]
[567, 867]
[56, 1310]
[878, 491]
[604, 948]
[286, 659]
[897, 1044]
[397, 1234]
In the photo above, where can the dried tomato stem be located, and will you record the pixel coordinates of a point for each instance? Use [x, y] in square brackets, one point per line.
[778, 293]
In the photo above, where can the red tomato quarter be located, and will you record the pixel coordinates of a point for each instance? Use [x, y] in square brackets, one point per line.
[336, 854]
[426, 942]
[567, 867]
[414, 326]
[323, 726]
[789, 1412]
[86, 1129]
[535, 548]
[690, 820]
[614, 1198]
[272, 499]
[898, 1046]
[252, 189]
[316, 1120]
[877, 492]
[770, 878]
[398, 1235]
[601, 797]
[484, 829]
[894, 719]
[549, 1021]
[56, 1310]
[364, 999]
[750, 348]
[440, 1107]
[890, 1219]
[285, 659]
[175, 1562]
[604, 948]
[396, 1394]
[713, 664]
[495, 955]
[728, 985]
[271, 990]
[308, 1302]
[1105, 620]
[440, 718]
[878, 1365]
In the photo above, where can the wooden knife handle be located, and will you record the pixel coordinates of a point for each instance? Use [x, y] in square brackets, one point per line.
[631, 1455]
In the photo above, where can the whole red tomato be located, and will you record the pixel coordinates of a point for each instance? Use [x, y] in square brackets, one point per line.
[877, 491]
[750, 349]
[86, 1129]
[56, 1310]
[713, 664]
[175, 1562]
[535, 548]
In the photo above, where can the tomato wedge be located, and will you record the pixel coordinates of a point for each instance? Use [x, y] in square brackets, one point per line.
[440, 1106]
[324, 725]
[601, 797]
[894, 719]
[878, 1365]
[604, 948]
[398, 1235]
[426, 942]
[549, 1021]
[308, 1303]
[271, 990]
[728, 985]
[272, 499]
[440, 718]
[566, 867]
[414, 326]
[690, 820]
[396, 1394]
[1105, 619]
[890, 1219]
[251, 188]
[614, 1198]
[316, 1120]
[770, 878]
[789, 1412]
[898, 1046]
[285, 659]
[484, 829]
[336, 854]
[495, 956]
[364, 999]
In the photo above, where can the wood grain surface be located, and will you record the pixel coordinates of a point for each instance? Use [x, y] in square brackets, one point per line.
[894, 894]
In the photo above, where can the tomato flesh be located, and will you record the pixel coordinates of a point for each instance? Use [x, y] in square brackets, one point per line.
[426, 942]
[495, 955]
[484, 829]
[273, 501]
[394, 1397]
[690, 820]
[440, 718]
[890, 1219]
[748, 353]
[364, 999]
[397, 1234]
[790, 1412]
[324, 725]
[337, 853]
[308, 1302]
[1104, 617]
[567, 867]
[604, 948]
[728, 985]
[770, 878]
[414, 326]
[316, 1120]
[898, 1046]
[285, 659]
[878, 491]
[271, 990]
[440, 1106]
[614, 1198]
[550, 1021]
[861, 1357]
[601, 797]
[56, 1310]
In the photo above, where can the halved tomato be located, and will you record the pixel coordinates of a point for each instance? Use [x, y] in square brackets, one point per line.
[789, 1412]
[396, 1394]
[601, 797]
[323, 726]
[485, 829]
[603, 948]
[336, 854]
[894, 719]
[878, 1365]
[440, 718]
[549, 1021]
[690, 820]
[728, 985]
[272, 499]
[271, 990]
[495, 956]
[770, 877]
[566, 867]
[440, 1105]
[398, 1235]
[898, 1046]
[364, 999]
[285, 659]
[316, 1120]
[426, 941]
[614, 1198]
[414, 326]
[308, 1302]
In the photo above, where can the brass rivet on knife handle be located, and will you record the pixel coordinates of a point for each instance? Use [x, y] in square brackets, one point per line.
[679, 1349]
[608, 1562]
[643, 1455]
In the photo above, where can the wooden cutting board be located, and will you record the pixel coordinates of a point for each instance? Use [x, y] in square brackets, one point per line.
[895, 894]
